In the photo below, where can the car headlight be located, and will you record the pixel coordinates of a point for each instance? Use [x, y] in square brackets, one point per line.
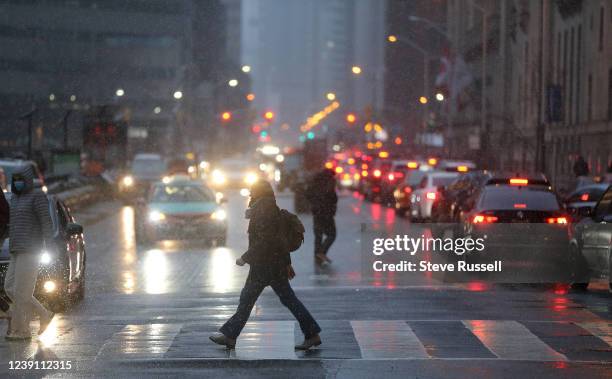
[49, 286]
[156, 216]
[218, 177]
[219, 215]
[45, 258]
[250, 178]
[128, 181]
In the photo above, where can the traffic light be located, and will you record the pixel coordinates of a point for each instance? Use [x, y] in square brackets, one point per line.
[226, 116]
[269, 115]
[351, 118]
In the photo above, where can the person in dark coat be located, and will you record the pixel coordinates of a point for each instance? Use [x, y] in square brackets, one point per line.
[323, 203]
[581, 168]
[4, 220]
[270, 265]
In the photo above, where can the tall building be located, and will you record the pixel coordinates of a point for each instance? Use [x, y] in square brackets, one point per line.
[302, 49]
[72, 55]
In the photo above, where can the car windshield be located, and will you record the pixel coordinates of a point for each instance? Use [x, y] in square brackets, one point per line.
[181, 194]
[508, 197]
[148, 166]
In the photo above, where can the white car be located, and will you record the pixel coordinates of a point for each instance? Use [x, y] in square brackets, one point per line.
[427, 192]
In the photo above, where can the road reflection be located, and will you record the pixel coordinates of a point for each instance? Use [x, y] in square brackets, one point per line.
[155, 272]
[221, 270]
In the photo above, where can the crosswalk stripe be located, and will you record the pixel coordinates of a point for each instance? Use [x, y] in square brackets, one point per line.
[387, 339]
[140, 341]
[509, 339]
[603, 330]
[267, 340]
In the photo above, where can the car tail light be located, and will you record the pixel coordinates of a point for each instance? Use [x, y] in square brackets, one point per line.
[519, 182]
[520, 206]
[462, 168]
[364, 166]
[431, 195]
[376, 189]
[412, 165]
[584, 197]
[391, 177]
[484, 219]
[557, 220]
[407, 189]
[377, 173]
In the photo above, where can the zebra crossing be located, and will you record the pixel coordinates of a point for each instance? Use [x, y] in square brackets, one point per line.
[542, 341]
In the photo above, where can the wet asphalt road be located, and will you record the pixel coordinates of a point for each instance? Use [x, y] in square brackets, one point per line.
[148, 312]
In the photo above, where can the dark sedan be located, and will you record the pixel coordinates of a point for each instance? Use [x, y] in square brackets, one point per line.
[591, 243]
[61, 279]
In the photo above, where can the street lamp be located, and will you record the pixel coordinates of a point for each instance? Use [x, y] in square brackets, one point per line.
[423, 100]
[119, 92]
[250, 96]
[331, 96]
[392, 38]
[440, 96]
[52, 97]
[157, 110]
[246, 68]
[178, 95]
[232, 82]
[356, 70]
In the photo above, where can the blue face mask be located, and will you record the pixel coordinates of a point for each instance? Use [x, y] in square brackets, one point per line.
[19, 185]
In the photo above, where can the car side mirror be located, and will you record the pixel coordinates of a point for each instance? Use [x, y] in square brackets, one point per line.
[74, 229]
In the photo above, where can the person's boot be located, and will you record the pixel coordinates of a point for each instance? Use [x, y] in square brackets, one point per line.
[222, 339]
[44, 323]
[309, 342]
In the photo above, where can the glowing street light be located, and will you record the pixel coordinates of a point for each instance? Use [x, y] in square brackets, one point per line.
[440, 96]
[351, 118]
[246, 68]
[250, 96]
[331, 96]
[226, 116]
[119, 92]
[72, 98]
[356, 70]
[392, 38]
[269, 115]
[157, 110]
[232, 82]
[178, 95]
[423, 100]
[52, 97]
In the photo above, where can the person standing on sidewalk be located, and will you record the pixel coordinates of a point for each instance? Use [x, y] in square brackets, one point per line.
[30, 230]
[270, 265]
[323, 203]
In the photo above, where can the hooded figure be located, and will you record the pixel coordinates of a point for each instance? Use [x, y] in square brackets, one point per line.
[30, 230]
[323, 203]
[270, 265]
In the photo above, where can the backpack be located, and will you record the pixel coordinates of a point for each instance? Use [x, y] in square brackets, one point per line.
[291, 231]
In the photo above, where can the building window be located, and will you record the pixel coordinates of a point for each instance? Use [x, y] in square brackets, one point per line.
[590, 98]
[601, 28]
[610, 94]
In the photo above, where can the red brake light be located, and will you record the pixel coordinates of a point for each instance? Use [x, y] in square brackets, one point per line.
[520, 206]
[377, 173]
[519, 182]
[431, 195]
[557, 220]
[584, 197]
[407, 189]
[484, 219]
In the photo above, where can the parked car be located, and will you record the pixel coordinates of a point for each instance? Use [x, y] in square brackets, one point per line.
[404, 189]
[456, 166]
[584, 197]
[591, 243]
[61, 279]
[427, 193]
[446, 209]
[180, 208]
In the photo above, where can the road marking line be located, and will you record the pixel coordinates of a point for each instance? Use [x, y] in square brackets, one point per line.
[603, 330]
[509, 339]
[267, 340]
[140, 341]
[387, 339]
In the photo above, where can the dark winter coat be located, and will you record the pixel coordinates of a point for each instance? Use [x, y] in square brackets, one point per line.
[265, 254]
[321, 195]
[30, 217]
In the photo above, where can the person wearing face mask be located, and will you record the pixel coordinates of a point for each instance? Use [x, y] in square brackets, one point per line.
[270, 265]
[30, 231]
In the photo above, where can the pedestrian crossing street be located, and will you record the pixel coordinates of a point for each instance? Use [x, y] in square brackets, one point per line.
[358, 339]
